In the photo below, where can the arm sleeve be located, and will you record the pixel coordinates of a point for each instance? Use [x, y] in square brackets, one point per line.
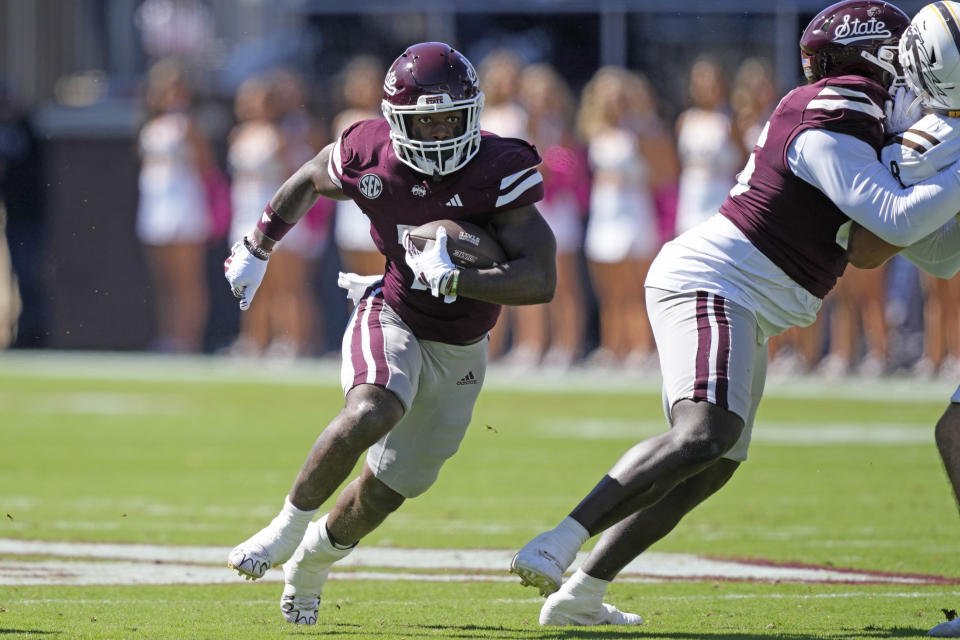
[939, 253]
[847, 171]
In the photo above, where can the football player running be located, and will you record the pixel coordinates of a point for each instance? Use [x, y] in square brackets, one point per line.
[414, 350]
[929, 53]
[718, 292]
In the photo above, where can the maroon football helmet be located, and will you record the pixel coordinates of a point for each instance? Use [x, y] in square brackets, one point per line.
[432, 77]
[857, 37]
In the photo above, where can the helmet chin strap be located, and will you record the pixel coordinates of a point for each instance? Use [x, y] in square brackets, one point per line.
[918, 100]
[441, 162]
[430, 167]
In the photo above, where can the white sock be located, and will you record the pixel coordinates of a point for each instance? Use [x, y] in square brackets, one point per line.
[293, 515]
[581, 584]
[318, 540]
[571, 534]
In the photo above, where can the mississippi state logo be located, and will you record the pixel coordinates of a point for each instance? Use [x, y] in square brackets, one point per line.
[419, 190]
[370, 186]
[853, 30]
[471, 73]
[390, 84]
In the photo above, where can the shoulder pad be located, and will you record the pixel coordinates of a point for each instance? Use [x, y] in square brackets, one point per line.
[512, 165]
[361, 138]
[849, 104]
[508, 152]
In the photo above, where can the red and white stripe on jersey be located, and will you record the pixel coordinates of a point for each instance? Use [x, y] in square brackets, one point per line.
[833, 98]
[516, 184]
[335, 165]
[713, 350]
[367, 347]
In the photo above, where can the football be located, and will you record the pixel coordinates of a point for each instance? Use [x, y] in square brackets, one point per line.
[470, 246]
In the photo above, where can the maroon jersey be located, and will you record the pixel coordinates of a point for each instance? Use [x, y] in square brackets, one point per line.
[791, 222]
[503, 175]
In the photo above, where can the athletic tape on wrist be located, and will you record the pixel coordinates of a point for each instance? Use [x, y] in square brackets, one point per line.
[272, 225]
[255, 249]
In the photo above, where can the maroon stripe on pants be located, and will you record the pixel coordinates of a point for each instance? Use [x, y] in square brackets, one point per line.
[356, 344]
[374, 303]
[703, 348]
[377, 343]
[723, 350]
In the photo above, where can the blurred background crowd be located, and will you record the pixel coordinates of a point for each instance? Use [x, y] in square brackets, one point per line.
[140, 138]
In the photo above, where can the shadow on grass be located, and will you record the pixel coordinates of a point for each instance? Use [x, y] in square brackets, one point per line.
[486, 632]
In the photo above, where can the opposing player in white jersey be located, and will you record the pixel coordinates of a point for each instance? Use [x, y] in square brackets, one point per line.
[929, 53]
[718, 292]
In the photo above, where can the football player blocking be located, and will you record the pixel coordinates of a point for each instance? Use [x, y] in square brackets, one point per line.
[418, 331]
[762, 264]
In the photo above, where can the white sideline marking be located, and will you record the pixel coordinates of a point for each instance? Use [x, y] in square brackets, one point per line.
[53, 572]
[154, 564]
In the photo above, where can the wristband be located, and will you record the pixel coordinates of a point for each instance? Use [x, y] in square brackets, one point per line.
[255, 249]
[272, 225]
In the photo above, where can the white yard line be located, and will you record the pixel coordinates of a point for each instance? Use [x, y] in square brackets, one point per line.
[153, 564]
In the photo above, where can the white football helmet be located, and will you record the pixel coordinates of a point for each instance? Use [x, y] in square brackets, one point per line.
[432, 77]
[930, 55]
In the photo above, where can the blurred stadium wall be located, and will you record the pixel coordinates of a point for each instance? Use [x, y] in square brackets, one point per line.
[76, 67]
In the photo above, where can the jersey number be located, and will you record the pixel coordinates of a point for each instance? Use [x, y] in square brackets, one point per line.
[743, 178]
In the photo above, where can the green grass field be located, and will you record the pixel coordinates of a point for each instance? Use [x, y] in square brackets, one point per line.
[200, 453]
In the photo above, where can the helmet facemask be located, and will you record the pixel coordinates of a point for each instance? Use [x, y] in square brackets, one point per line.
[435, 157]
[886, 59]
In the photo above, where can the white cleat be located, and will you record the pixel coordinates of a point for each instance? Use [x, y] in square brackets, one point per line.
[562, 609]
[298, 608]
[270, 546]
[948, 629]
[541, 563]
[302, 588]
[305, 573]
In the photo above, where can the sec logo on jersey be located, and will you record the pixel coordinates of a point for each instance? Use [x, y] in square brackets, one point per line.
[370, 186]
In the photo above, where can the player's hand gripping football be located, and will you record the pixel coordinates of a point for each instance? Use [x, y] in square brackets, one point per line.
[244, 271]
[433, 266]
[902, 111]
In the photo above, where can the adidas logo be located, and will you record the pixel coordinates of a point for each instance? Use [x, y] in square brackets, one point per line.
[454, 201]
[467, 379]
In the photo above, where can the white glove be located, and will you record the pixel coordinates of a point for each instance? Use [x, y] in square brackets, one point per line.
[432, 266]
[244, 271]
[356, 286]
[902, 111]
